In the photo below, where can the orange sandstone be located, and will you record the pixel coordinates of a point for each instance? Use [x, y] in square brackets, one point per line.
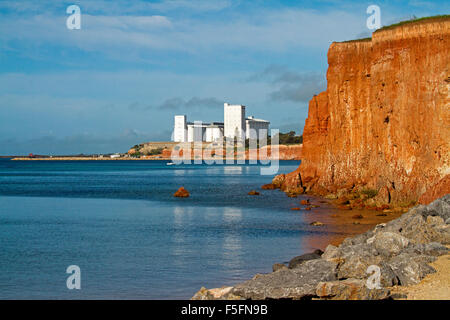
[384, 121]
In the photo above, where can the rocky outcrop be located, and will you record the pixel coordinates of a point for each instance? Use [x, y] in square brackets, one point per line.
[396, 253]
[181, 193]
[296, 261]
[383, 122]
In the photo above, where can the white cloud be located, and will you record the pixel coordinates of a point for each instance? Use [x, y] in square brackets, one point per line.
[263, 31]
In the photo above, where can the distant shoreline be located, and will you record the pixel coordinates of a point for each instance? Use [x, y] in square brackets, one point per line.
[127, 159]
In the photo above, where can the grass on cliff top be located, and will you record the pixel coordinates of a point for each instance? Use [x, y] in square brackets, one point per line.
[355, 40]
[437, 18]
[401, 23]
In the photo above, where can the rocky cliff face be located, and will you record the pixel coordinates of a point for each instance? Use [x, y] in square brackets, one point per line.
[383, 124]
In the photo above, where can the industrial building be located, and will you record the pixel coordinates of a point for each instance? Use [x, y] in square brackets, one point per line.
[235, 126]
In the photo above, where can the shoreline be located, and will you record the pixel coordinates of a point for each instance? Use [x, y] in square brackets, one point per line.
[403, 249]
[139, 159]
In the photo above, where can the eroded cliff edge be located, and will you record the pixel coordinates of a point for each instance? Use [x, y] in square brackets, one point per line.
[383, 124]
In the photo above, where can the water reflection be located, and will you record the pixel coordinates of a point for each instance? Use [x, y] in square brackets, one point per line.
[232, 242]
[233, 169]
[232, 215]
[179, 172]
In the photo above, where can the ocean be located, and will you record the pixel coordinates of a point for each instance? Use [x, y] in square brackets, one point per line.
[119, 222]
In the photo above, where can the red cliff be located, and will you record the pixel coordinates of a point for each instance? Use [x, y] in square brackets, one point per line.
[383, 124]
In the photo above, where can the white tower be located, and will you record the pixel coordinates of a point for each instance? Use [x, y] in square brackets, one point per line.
[234, 121]
[180, 129]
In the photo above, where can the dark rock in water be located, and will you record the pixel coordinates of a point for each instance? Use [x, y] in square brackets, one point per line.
[295, 283]
[253, 193]
[278, 266]
[357, 216]
[350, 289]
[304, 257]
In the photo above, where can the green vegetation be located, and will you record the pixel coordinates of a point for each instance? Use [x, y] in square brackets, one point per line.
[401, 23]
[288, 138]
[283, 138]
[370, 193]
[356, 40]
[154, 152]
[416, 20]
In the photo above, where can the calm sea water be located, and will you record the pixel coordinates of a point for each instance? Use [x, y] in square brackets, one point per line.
[118, 221]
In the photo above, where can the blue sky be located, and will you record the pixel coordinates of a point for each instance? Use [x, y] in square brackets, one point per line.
[134, 64]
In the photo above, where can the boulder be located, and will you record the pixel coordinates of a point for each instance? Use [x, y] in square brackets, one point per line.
[253, 193]
[278, 266]
[356, 259]
[331, 253]
[387, 276]
[410, 269]
[418, 231]
[181, 193]
[304, 202]
[317, 223]
[389, 243]
[435, 221]
[223, 293]
[278, 180]
[350, 289]
[269, 186]
[430, 249]
[295, 262]
[295, 283]
[439, 207]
